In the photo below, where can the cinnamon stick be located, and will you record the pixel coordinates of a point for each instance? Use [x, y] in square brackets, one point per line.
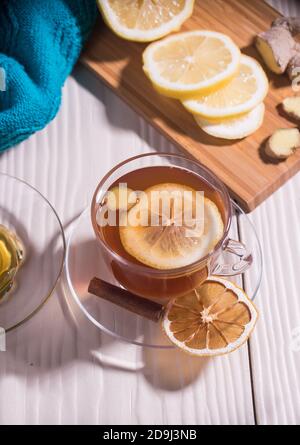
[125, 299]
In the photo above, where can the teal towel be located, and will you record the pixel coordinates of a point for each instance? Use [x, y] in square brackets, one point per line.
[40, 41]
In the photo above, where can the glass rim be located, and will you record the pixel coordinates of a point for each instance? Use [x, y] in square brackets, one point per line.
[64, 247]
[143, 268]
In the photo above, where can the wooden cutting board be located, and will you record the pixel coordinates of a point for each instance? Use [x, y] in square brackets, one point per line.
[241, 165]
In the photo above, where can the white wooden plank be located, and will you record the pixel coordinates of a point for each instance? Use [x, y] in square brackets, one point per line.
[286, 7]
[58, 372]
[275, 344]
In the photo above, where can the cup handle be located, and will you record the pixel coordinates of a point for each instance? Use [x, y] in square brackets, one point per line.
[237, 249]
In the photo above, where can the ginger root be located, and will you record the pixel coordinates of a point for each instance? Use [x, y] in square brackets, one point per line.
[283, 143]
[291, 106]
[278, 47]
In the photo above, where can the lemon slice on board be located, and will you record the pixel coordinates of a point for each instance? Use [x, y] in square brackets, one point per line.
[145, 20]
[243, 93]
[186, 64]
[214, 319]
[234, 128]
[166, 236]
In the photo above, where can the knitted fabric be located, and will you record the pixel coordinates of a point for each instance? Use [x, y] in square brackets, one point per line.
[40, 41]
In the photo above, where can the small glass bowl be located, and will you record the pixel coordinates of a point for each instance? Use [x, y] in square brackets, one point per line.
[28, 214]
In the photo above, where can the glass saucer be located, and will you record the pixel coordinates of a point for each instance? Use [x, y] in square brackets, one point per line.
[84, 261]
[24, 211]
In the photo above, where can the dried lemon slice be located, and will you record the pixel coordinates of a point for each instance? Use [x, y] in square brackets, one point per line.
[214, 319]
[190, 63]
[145, 20]
[171, 226]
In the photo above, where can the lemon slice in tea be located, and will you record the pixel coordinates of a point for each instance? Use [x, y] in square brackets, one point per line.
[171, 226]
[120, 198]
[214, 319]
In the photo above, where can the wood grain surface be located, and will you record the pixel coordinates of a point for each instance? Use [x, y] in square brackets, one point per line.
[250, 177]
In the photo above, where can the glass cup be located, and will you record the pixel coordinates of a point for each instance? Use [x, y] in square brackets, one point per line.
[162, 285]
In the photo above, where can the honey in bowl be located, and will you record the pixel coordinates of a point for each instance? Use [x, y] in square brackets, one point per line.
[160, 262]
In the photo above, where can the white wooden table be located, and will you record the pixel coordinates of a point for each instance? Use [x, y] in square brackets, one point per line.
[58, 371]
